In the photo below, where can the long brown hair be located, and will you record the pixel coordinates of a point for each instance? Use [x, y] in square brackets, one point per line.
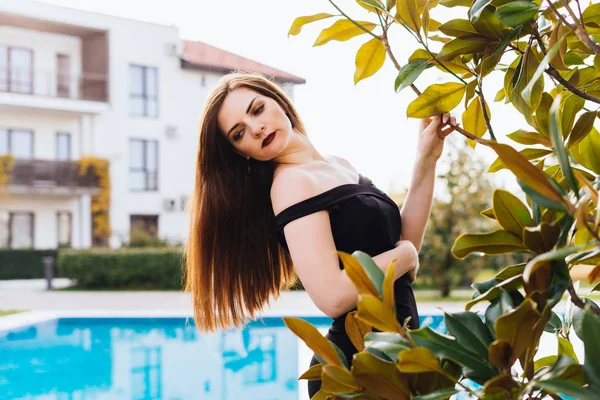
[234, 261]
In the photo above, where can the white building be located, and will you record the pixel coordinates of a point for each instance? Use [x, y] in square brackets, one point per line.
[75, 84]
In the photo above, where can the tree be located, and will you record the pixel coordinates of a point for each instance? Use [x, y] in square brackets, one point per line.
[467, 189]
[548, 59]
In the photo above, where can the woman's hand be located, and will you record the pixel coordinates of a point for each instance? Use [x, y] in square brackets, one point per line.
[406, 246]
[432, 134]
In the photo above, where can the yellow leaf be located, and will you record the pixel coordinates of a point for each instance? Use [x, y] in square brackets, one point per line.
[558, 60]
[525, 171]
[529, 154]
[407, 12]
[313, 339]
[388, 285]
[497, 242]
[356, 330]
[343, 30]
[418, 359]
[369, 7]
[369, 59]
[372, 311]
[301, 21]
[357, 274]
[499, 354]
[594, 274]
[473, 120]
[313, 373]
[581, 272]
[436, 99]
[338, 380]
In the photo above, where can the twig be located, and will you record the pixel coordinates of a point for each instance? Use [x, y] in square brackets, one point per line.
[570, 11]
[354, 22]
[575, 299]
[556, 75]
[486, 117]
[579, 30]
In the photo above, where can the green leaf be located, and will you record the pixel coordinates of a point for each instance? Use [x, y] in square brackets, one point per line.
[565, 347]
[517, 12]
[458, 28]
[371, 5]
[497, 242]
[524, 137]
[591, 333]
[389, 343]
[436, 99]
[373, 271]
[301, 21]
[511, 213]
[469, 331]
[539, 71]
[558, 144]
[459, 46]
[477, 8]
[564, 387]
[369, 59]
[543, 259]
[448, 348]
[577, 316]
[440, 394]
[511, 271]
[541, 200]
[554, 325]
[409, 73]
[582, 128]
[509, 284]
[529, 65]
[343, 30]
[489, 213]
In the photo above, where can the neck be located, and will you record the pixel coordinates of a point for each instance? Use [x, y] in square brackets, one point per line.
[298, 151]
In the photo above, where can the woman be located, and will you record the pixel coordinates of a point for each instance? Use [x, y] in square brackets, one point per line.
[267, 204]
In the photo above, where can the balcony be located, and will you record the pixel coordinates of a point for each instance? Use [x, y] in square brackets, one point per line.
[86, 93]
[48, 177]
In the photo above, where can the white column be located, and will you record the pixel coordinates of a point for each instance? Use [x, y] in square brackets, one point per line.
[85, 221]
[86, 135]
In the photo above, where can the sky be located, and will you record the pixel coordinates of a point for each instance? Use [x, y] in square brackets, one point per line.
[364, 123]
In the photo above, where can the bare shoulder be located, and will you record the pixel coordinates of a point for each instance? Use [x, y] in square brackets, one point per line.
[343, 162]
[290, 186]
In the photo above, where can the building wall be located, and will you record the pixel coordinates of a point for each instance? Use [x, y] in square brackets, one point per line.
[181, 95]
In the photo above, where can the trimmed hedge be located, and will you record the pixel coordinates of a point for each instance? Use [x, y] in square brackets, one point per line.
[23, 263]
[143, 268]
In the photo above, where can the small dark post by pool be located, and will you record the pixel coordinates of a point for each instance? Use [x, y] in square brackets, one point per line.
[48, 262]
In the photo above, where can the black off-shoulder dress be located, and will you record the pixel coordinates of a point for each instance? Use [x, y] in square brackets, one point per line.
[362, 218]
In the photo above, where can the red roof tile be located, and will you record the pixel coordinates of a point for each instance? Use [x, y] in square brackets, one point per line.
[198, 55]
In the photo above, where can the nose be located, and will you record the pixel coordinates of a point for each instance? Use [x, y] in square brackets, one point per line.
[259, 131]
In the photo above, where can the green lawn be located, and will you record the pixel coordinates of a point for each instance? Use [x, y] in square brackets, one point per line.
[9, 312]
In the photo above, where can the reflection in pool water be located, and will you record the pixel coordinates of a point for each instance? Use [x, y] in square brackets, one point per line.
[152, 358]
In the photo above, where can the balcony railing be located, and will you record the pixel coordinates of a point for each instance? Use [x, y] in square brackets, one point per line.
[86, 86]
[49, 174]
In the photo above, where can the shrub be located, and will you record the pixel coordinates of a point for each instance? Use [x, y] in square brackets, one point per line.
[100, 268]
[23, 264]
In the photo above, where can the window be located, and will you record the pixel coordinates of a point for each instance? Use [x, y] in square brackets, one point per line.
[19, 143]
[63, 146]
[63, 223]
[20, 230]
[143, 165]
[143, 228]
[16, 69]
[143, 91]
[63, 75]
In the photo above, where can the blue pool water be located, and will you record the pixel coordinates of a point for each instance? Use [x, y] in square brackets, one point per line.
[152, 358]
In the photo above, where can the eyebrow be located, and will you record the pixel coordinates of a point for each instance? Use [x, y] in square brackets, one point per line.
[247, 112]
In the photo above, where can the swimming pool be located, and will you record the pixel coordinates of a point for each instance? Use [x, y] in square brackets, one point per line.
[154, 358]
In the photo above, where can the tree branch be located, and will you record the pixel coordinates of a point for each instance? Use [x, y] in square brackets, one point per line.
[486, 117]
[575, 299]
[354, 22]
[579, 30]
